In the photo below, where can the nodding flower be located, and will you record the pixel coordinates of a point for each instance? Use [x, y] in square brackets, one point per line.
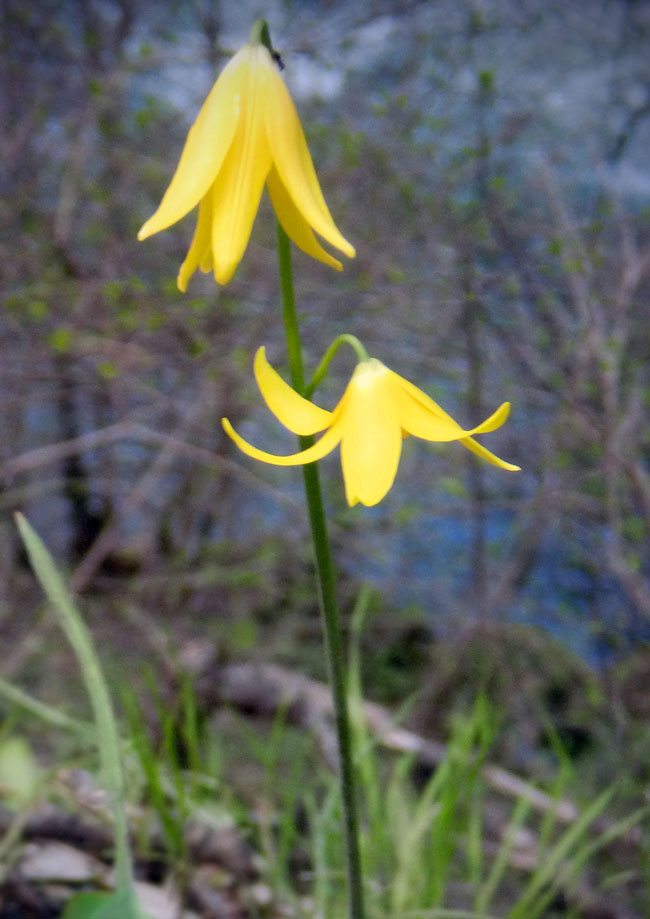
[246, 135]
[377, 410]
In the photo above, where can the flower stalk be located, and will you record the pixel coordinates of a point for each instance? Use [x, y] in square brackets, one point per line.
[259, 34]
[326, 594]
[321, 370]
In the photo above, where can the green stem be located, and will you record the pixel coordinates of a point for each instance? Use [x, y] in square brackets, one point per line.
[259, 34]
[321, 370]
[107, 735]
[48, 713]
[327, 595]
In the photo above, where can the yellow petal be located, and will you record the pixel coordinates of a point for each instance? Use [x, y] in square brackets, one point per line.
[495, 420]
[294, 164]
[200, 249]
[205, 149]
[371, 442]
[206, 262]
[294, 412]
[484, 454]
[321, 448]
[426, 419]
[294, 224]
[238, 187]
[419, 396]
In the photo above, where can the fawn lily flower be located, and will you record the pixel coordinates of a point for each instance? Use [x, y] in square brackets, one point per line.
[247, 134]
[378, 409]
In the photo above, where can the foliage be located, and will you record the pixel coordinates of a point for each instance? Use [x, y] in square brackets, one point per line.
[459, 190]
[436, 843]
[495, 185]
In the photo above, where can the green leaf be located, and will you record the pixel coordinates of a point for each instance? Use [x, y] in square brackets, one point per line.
[18, 771]
[107, 370]
[96, 905]
[108, 740]
[60, 339]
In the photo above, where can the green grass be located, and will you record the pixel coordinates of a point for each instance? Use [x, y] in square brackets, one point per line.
[123, 901]
[425, 851]
[434, 846]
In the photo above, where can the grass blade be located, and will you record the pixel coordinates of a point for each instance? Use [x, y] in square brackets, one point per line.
[108, 740]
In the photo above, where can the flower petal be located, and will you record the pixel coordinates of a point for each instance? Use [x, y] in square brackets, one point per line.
[206, 262]
[294, 164]
[294, 224]
[419, 395]
[371, 442]
[205, 149]
[422, 417]
[200, 250]
[321, 448]
[238, 187]
[496, 419]
[484, 454]
[299, 415]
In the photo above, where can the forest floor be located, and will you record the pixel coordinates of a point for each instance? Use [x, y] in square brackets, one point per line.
[228, 747]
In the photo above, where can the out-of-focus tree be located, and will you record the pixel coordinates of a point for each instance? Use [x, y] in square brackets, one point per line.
[498, 258]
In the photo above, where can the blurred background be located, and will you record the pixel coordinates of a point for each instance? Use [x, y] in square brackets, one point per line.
[489, 161]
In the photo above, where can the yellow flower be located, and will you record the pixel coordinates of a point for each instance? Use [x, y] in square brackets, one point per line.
[247, 133]
[377, 410]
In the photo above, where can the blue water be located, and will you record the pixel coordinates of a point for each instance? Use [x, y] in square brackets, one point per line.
[423, 560]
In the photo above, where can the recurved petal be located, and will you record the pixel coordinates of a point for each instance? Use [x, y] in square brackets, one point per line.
[371, 442]
[484, 454]
[419, 396]
[205, 148]
[495, 420]
[294, 224]
[238, 187]
[425, 422]
[206, 262]
[299, 415]
[321, 448]
[200, 249]
[294, 164]
[424, 418]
